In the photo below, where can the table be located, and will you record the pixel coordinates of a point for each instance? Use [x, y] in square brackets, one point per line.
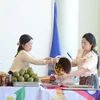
[39, 93]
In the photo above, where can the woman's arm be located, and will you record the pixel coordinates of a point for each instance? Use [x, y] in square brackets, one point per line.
[25, 56]
[79, 72]
[74, 61]
[73, 64]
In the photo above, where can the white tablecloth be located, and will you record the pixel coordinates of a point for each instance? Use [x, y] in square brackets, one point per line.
[39, 93]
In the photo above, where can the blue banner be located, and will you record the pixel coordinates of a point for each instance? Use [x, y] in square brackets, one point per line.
[55, 48]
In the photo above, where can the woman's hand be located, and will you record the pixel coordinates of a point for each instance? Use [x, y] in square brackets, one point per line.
[55, 60]
[52, 60]
[63, 77]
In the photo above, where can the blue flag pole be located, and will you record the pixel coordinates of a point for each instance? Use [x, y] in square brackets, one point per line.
[55, 48]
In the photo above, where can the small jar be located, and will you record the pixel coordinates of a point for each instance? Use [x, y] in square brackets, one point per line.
[3, 80]
[0, 80]
[10, 83]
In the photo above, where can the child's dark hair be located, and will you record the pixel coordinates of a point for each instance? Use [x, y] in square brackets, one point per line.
[22, 41]
[65, 63]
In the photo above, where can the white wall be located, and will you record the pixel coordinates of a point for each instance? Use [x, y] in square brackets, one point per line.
[71, 30]
[68, 26]
[89, 18]
[25, 16]
[35, 17]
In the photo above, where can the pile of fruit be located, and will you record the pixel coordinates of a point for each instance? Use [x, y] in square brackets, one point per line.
[59, 69]
[25, 76]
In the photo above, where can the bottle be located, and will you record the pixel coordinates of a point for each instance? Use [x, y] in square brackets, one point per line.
[10, 83]
[3, 80]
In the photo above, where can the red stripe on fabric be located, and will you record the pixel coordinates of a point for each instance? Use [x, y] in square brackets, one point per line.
[56, 88]
[86, 95]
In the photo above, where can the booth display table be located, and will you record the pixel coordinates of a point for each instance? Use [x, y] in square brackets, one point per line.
[39, 93]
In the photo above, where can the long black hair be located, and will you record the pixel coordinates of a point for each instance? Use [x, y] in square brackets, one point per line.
[22, 41]
[91, 39]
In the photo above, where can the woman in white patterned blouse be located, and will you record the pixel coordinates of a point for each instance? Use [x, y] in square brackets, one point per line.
[87, 61]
